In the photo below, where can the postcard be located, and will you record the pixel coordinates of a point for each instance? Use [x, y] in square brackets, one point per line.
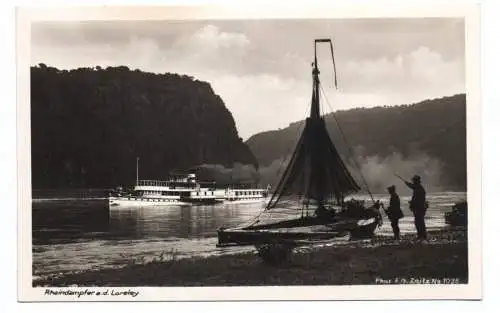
[248, 152]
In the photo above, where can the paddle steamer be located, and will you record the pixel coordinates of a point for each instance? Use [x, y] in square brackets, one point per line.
[182, 189]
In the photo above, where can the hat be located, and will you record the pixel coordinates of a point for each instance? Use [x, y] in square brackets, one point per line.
[391, 188]
[416, 178]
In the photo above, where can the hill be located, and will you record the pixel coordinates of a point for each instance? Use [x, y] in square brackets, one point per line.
[428, 137]
[88, 125]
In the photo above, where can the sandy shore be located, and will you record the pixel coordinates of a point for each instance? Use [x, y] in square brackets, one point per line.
[443, 258]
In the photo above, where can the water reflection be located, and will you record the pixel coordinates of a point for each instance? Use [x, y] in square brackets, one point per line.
[181, 222]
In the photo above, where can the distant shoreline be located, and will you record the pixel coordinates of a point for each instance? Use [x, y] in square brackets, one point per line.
[442, 259]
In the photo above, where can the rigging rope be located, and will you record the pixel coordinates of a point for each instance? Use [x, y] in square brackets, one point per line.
[282, 167]
[334, 68]
[297, 137]
[299, 131]
[348, 146]
[333, 58]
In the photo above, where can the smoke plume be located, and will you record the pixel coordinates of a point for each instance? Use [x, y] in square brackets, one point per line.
[238, 174]
[380, 172]
[375, 171]
[243, 173]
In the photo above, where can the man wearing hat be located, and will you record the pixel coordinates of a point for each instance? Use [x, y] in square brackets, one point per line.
[418, 205]
[394, 212]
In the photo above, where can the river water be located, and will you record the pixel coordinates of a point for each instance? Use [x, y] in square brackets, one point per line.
[80, 232]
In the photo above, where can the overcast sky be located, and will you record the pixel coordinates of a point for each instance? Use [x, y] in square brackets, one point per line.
[262, 68]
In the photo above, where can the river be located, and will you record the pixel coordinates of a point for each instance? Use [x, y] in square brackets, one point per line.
[80, 232]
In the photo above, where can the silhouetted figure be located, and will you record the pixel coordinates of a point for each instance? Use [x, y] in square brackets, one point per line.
[394, 212]
[418, 206]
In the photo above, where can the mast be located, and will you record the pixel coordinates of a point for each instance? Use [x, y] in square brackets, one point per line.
[315, 96]
[137, 170]
[315, 112]
[316, 161]
[315, 170]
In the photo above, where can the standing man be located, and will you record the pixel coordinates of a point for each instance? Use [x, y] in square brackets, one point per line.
[394, 212]
[418, 205]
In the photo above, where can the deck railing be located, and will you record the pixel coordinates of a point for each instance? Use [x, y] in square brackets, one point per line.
[160, 182]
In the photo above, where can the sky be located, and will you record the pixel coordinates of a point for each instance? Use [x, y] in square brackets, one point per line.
[262, 68]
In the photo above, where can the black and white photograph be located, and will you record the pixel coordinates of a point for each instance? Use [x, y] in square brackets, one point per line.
[238, 151]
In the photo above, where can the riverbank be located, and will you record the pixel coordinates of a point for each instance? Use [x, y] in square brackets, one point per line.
[443, 257]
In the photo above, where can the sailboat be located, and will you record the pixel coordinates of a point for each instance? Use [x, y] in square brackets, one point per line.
[315, 185]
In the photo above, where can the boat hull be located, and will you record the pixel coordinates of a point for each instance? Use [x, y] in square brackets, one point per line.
[454, 219]
[243, 201]
[292, 231]
[141, 201]
[364, 231]
[246, 238]
[458, 215]
[115, 202]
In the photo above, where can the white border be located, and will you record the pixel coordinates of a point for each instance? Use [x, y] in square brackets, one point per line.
[471, 13]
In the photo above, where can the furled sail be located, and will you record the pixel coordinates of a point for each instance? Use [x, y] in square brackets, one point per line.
[315, 177]
[315, 171]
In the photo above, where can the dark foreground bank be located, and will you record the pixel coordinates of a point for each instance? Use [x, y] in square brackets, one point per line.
[439, 260]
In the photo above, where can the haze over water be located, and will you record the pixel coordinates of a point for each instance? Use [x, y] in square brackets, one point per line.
[80, 232]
